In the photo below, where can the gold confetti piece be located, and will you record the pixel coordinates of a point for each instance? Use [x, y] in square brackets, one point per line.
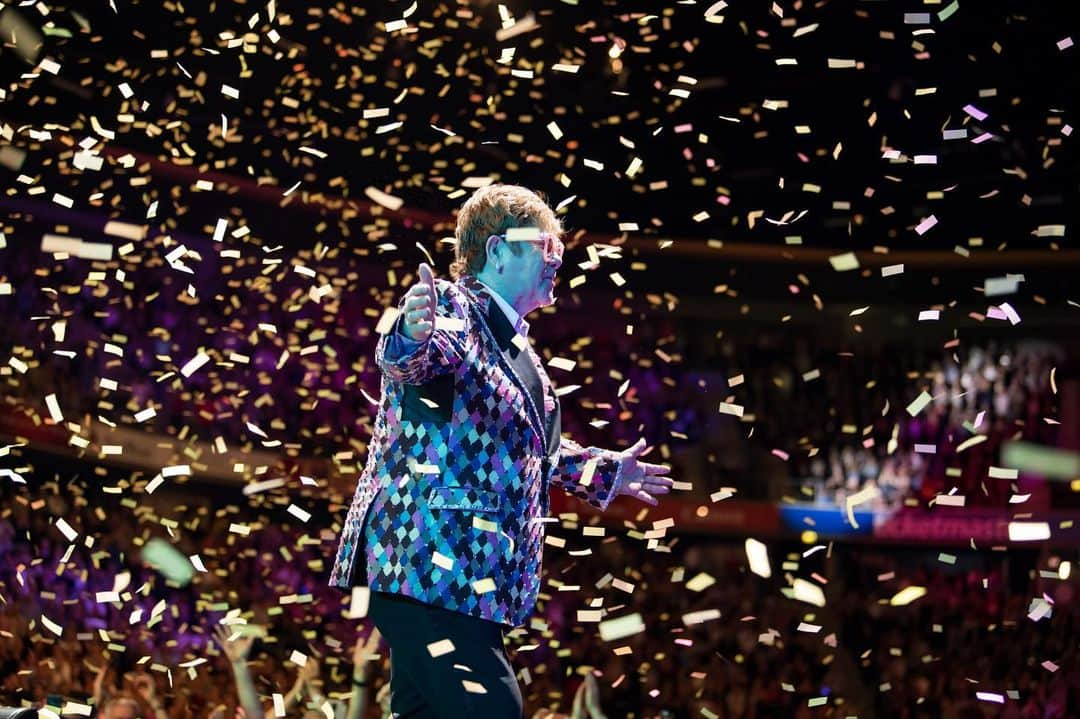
[758, 556]
[907, 596]
[700, 617]
[386, 200]
[126, 230]
[844, 262]
[732, 409]
[919, 403]
[971, 442]
[440, 648]
[485, 525]
[701, 582]
[817, 702]
[473, 687]
[864, 495]
[1003, 473]
[621, 627]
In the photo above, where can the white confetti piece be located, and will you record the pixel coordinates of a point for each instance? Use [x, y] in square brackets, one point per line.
[359, 602]
[808, 592]
[440, 648]
[621, 627]
[758, 556]
[52, 626]
[1028, 531]
[699, 617]
[301, 514]
[950, 500]
[442, 561]
[66, 529]
[145, 414]
[193, 364]
[54, 408]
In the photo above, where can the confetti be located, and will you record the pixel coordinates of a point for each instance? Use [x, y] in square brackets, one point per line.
[614, 629]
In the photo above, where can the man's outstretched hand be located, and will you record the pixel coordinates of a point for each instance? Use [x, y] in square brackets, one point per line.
[419, 310]
[642, 479]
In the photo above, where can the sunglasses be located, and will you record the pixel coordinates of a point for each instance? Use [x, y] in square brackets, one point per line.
[550, 245]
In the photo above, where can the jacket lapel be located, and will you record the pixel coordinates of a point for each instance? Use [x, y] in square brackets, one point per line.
[500, 333]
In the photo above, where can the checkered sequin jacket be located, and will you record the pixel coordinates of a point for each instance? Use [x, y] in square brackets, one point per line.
[449, 508]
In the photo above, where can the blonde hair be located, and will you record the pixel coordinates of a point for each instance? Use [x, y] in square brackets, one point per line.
[492, 210]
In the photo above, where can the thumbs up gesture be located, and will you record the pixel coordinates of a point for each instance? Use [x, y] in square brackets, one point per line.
[419, 311]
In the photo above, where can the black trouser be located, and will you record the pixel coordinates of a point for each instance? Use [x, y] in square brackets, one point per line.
[474, 680]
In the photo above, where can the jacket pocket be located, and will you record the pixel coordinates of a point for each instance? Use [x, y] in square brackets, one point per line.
[464, 498]
[432, 401]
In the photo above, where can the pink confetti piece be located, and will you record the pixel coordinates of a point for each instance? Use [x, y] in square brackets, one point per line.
[982, 138]
[1065, 43]
[995, 313]
[1010, 313]
[781, 454]
[1050, 666]
[923, 227]
[990, 697]
[975, 112]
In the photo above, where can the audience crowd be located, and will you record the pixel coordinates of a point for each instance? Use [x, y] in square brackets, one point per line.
[186, 649]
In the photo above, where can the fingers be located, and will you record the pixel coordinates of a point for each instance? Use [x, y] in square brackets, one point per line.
[653, 469]
[427, 277]
[647, 498]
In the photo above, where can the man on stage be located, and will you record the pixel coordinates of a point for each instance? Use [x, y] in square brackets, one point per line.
[447, 523]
